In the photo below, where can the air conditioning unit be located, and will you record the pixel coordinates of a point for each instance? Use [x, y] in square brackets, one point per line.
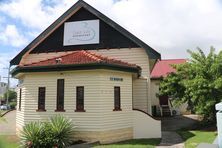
[175, 111]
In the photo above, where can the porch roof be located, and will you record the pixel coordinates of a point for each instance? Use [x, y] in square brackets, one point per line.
[77, 60]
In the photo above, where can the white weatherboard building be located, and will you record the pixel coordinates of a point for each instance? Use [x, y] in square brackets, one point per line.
[88, 68]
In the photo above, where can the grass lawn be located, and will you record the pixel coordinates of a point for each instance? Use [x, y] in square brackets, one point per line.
[8, 141]
[135, 143]
[2, 119]
[193, 138]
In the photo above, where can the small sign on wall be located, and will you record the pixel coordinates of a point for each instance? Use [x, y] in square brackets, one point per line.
[81, 32]
[116, 79]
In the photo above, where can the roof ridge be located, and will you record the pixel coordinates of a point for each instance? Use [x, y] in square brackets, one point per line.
[91, 55]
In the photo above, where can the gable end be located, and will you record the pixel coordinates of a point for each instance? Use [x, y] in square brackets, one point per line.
[133, 41]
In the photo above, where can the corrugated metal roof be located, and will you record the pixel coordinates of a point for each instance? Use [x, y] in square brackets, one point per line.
[163, 68]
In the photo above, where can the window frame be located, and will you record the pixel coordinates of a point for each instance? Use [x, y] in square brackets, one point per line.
[39, 99]
[78, 99]
[117, 103]
[20, 99]
[60, 95]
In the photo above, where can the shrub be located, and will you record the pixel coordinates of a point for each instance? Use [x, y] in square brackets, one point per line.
[32, 134]
[12, 105]
[56, 133]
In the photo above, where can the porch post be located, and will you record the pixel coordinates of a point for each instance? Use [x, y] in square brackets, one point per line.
[219, 123]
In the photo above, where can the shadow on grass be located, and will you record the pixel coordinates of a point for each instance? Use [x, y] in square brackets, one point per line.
[185, 135]
[133, 143]
[140, 142]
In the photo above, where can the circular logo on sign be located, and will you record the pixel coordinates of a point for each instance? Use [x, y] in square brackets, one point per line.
[84, 33]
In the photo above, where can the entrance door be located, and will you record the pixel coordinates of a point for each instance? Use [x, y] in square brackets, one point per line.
[163, 100]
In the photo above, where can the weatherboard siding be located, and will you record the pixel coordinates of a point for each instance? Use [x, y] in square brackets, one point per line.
[117, 119]
[33, 58]
[131, 55]
[20, 112]
[140, 94]
[136, 56]
[99, 115]
[154, 91]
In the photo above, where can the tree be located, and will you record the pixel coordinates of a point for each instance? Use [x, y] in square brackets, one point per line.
[198, 82]
[12, 95]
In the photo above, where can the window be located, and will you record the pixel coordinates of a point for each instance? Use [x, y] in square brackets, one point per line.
[80, 98]
[117, 103]
[20, 99]
[60, 95]
[41, 99]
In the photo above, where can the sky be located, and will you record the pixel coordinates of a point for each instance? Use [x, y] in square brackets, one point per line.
[169, 26]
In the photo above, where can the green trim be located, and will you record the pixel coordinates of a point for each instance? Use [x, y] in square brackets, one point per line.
[150, 51]
[70, 67]
[155, 78]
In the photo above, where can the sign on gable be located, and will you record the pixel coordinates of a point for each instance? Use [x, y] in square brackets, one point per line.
[81, 32]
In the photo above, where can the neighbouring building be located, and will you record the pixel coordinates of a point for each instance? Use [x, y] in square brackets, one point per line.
[161, 104]
[3, 88]
[90, 69]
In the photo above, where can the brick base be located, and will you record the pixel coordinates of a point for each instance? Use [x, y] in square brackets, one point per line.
[105, 137]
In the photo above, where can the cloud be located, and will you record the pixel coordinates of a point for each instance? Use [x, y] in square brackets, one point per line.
[4, 63]
[11, 36]
[171, 27]
[34, 13]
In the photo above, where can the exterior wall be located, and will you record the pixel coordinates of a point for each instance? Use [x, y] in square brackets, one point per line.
[108, 136]
[20, 113]
[140, 94]
[144, 126]
[32, 58]
[116, 119]
[132, 55]
[98, 97]
[155, 90]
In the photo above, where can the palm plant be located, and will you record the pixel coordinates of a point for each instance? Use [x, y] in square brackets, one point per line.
[31, 135]
[56, 133]
[61, 129]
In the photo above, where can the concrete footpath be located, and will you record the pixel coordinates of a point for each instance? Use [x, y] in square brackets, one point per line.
[171, 139]
[7, 125]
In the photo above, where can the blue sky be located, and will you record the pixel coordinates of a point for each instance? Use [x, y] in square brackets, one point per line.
[171, 27]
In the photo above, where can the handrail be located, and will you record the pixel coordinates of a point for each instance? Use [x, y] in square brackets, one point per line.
[170, 107]
[145, 113]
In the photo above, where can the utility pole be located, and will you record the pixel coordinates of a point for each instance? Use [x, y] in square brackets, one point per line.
[8, 85]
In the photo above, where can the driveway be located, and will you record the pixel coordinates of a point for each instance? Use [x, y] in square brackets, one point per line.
[178, 122]
[7, 125]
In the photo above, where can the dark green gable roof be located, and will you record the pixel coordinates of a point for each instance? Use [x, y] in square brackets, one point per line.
[81, 4]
